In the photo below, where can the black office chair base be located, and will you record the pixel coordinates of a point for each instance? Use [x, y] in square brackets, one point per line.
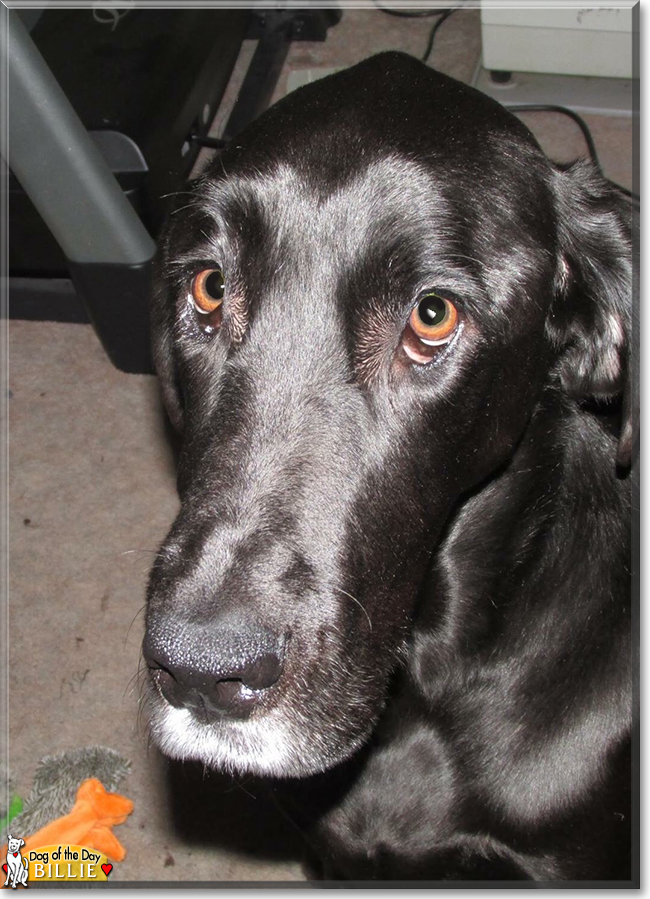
[113, 298]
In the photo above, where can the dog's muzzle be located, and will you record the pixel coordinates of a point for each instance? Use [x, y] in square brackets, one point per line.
[214, 670]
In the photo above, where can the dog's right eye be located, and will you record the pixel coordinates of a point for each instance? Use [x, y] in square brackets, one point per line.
[207, 293]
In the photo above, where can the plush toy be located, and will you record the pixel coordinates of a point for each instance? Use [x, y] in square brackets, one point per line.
[57, 779]
[76, 790]
[89, 823]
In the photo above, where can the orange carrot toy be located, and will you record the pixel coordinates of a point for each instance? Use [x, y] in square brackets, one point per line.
[89, 823]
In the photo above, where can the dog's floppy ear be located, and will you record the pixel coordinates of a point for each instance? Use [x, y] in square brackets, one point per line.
[591, 318]
[163, 349]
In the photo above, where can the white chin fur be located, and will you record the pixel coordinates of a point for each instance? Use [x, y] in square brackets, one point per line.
[267, 746]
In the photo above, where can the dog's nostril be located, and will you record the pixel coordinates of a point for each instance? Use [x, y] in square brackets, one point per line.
[262, 673]
[215, 677]
[229, 696]
[166, 683]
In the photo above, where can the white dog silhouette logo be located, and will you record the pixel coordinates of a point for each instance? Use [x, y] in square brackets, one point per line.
[16, 865]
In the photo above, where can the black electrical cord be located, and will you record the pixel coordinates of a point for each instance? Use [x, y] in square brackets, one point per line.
[564, 110]
[443, 13]
[625, 191]
[413, 14]
[586, 133]
[434, 31]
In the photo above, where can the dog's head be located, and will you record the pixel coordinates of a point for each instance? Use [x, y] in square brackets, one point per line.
[357, 309]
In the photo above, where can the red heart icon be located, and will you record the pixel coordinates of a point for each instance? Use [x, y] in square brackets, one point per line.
[15, 854]
[107, 869]
[4, 868]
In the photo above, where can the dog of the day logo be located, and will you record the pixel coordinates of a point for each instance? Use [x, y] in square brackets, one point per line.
[57, 863]
[15, 867]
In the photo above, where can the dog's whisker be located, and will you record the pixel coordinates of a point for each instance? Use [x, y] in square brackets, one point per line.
[354, 599]
[238, 785]
[187, 206]
[134, 688]
[465, 256]
[177, 193]
[133, 620]
[128, 552]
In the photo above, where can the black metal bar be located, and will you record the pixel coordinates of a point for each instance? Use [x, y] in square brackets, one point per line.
[261, 78]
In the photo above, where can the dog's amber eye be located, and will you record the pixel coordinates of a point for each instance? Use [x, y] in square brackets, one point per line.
[434, 319]
[208, 288]
[432, 323]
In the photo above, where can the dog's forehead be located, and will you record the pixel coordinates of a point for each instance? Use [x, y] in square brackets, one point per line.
[385, 144]
[282, 204]
[388, 103]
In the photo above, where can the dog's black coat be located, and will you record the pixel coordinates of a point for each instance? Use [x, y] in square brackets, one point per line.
[435, 557]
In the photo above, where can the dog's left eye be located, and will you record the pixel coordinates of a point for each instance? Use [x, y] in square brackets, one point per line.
[432, 323]
[207, 293]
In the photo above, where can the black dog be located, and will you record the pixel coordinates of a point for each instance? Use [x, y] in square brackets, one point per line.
[387, 325]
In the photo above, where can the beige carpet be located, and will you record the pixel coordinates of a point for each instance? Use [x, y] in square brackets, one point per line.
[91, 496]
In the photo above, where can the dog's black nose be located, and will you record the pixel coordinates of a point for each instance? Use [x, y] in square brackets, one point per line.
[211, 671]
